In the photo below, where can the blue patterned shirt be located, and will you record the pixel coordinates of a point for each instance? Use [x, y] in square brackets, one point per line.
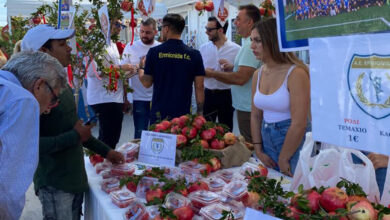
[19, 136]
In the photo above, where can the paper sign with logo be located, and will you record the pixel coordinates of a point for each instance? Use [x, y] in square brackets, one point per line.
[350, 91]
[157, 149]
[254, 214]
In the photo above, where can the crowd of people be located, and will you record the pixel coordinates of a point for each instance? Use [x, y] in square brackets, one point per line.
[307, 9]
[42, 138]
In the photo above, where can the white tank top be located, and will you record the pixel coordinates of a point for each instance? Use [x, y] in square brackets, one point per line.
[275, 106]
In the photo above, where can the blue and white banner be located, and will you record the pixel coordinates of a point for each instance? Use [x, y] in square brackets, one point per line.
[350, 91]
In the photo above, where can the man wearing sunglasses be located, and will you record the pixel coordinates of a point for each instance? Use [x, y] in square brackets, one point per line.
[60, 179]
[29, 85]
[218, 97]
[239, 74]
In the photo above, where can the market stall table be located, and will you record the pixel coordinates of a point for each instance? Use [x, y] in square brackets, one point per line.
[98, 204]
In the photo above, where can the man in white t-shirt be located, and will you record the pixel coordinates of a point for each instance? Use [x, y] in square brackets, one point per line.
[142, 96]
[218, 97]
[108, 105]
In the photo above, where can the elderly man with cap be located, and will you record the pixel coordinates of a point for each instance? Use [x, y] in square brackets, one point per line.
[60, 179]
[29, 85]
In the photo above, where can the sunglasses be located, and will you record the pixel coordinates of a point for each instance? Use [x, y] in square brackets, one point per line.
[211, 29]
[119, 25]
[55, 100]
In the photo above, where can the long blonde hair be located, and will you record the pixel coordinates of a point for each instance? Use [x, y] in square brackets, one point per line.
[269, 38]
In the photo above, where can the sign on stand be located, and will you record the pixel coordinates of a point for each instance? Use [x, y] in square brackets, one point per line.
[254, 214]
[350, 91]
[157, 149]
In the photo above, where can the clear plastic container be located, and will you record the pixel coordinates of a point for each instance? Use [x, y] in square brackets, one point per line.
[144, 185]
[153, 211]
[236, 190]
[174, 200]
[123, 169]
[129, 151]
[226, 175]
[103, 166]
[248, 167]
[136, 211]
[110, 185]
[122, 198]
[106, 173]
[173, 172]
[214, 211]
[191, 167]
[203, 198]
[216, 184]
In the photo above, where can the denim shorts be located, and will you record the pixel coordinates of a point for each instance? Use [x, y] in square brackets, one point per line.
[273, 135]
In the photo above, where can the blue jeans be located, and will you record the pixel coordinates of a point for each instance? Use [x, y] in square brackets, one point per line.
[60, 205]
[141, 111]
[273, 135]
[380, 173]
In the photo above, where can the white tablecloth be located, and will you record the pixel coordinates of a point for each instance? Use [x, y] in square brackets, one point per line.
[98, 205]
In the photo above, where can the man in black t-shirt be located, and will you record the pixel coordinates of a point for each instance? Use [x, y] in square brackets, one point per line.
[172, 68]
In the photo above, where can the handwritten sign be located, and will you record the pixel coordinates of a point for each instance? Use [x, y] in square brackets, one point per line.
[157, 149]
[350, 91]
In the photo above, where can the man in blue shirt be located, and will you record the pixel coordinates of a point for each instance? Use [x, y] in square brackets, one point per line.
[172, 68]
[30, 84]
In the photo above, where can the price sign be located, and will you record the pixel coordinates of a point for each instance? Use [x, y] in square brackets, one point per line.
[157, 149]
[254, 214]
[350, 91]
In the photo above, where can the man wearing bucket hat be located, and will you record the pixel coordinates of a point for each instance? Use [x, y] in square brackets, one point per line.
[60, 179]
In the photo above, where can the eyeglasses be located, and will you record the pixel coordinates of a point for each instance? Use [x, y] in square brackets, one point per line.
[119, 25]
[211, 29]
[55, 100]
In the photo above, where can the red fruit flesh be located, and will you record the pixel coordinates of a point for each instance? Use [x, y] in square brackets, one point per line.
[200, 185]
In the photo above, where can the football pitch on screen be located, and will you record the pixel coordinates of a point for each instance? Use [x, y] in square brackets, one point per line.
[372, 19]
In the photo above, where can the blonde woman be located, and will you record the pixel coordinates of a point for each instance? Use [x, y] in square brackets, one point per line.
[280, 101]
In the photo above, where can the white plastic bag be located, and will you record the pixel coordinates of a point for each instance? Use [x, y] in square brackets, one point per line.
[385, 200]
[326, 168]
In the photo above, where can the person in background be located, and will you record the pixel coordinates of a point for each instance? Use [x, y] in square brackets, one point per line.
[280, 101]
[239, 74]
[132, 55]
[172, 68]
[218, 96]
[17, 47]
[108, 106]
[60, 179]
[3, 59]
[29, 85]
[380, 163]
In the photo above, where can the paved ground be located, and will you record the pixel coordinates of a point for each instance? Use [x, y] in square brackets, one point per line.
[33, 208]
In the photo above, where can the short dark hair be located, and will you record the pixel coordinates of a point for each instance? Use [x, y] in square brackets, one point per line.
[175, 22]
[150, 21]
[252, 12]
[225, 27]
[47, 44]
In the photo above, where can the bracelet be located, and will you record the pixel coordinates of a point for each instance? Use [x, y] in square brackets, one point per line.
[257, 143]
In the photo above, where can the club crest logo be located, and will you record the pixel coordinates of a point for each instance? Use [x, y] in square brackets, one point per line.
[157, 145]
[369, 84]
